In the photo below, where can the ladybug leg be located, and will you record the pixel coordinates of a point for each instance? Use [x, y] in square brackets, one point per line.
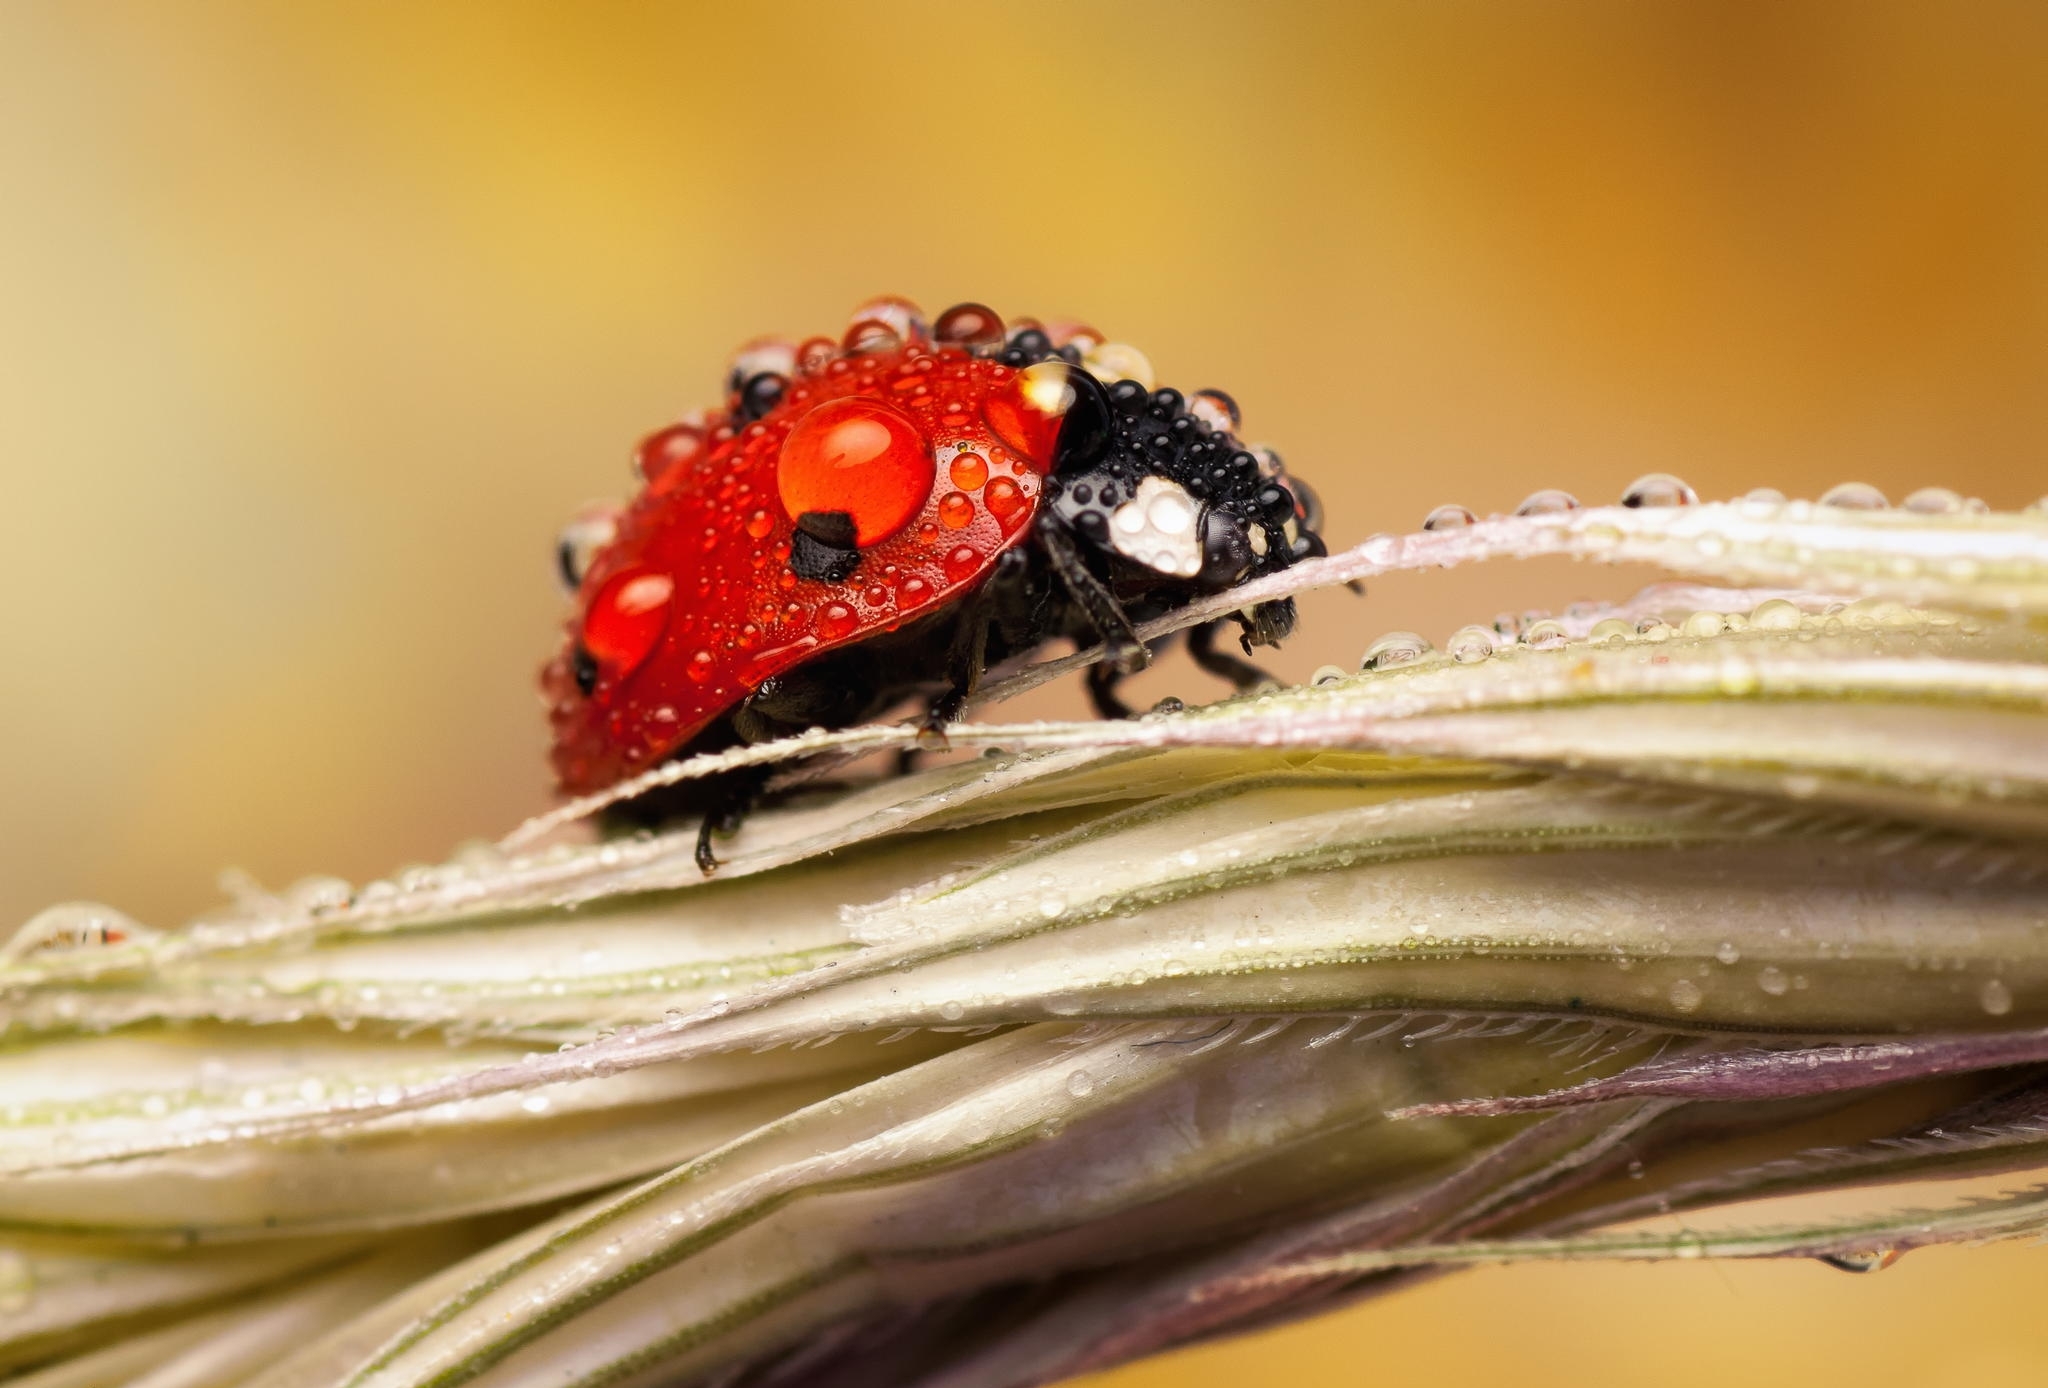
[1241, 674]
[1104, 612]
[732, 796]
[966, 657]
[1103, 679]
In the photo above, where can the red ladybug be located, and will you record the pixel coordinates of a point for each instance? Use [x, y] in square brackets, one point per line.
[880, 518]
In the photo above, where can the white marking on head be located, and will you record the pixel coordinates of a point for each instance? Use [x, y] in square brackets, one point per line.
[1159, 528]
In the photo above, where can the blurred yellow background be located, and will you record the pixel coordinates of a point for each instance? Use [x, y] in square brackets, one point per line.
[316, 320]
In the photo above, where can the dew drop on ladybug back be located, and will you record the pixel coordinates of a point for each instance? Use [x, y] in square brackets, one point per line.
[972, 326]
[859, 457]
[1051, 411]
[626, 620]
[968, 471]
[677, 446]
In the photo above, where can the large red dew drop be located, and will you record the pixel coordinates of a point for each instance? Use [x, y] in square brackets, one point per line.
[1027, 410]
[860, 456]
[626, 620]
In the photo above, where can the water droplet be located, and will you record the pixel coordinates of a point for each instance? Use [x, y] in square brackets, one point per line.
[1110, 362]
[1329, 674]
[1772, 980]
[975, 327]
[1394, 649]
[884, 323]
[1469, 645]
[1545, 634]
[1862, 1260]
[73, 925]
[956, 510]
[1775, 615]
[1548, 502]
[1685, 995]
[1659, 489]
[669, 450]
[952, 1011]
[1995, 997]
[316, 894]
[1448, 517]
[1217, 410]
[968, 471]
[1934, 501]
[1764, 496]
[913, 591]
[701, 666]
[1854, 496]
[1703, 623]
[1052, 907]
[627, 619]
[835, 619]
[1006, 502]
[963, 563]
[859, 456]
[1727, 952]
[1610, 631]
[1080, 1084]
[759, 524]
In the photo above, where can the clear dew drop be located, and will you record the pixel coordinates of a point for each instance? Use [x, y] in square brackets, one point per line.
[1934, 501]
[1775, 615]
[1080, 1084]
[1548, 502]
[1394, 649]
[1328, 675]
[1545, 634]
[1995, 998]
[2037, 508]
[1470, 645]
[1764, 496]
[1703, 623]
[1854, 496]
[1448, 517]
[1862, 1260]
[1610, 631]
[73, 925]
[1772, 980]
[1659, 489]
[1685, 995]
[1727, 952]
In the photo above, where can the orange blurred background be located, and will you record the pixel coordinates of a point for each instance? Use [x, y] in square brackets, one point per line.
[316, 320]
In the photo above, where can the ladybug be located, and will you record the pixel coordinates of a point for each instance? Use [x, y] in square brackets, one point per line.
[878, 518]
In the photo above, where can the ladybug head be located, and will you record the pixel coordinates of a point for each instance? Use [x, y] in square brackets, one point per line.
[1164, 498]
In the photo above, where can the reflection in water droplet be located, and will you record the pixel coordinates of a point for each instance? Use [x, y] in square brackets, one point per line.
[1469, 645]
[1545, 634]
[1393, 649]
[1934, 501]
[1659, 489]
[1855, 496]
[1775, 615]
[1449, 517]
[1862, 1260]
[1548, 502]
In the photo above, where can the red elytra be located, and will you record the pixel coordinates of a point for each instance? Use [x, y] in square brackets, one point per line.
[936, 454]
